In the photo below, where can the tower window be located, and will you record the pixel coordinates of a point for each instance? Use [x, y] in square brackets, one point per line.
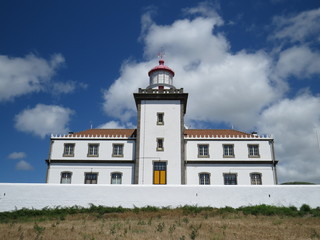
[160, 118]
[159, 144]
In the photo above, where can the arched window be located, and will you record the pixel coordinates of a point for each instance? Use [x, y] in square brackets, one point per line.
[66, 177]
[256, 178]
[204, 178]
[116, 178]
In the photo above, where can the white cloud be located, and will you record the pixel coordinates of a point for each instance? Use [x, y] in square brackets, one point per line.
[118, 98]
[17, 155]
[19, 76]
[205, 67]
[244, 90]
[297, 61]
[293, 123]
[24, 166]
[298, 28]
[43, 120]
[116, 125]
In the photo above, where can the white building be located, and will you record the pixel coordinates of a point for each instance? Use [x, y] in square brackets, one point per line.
[161, 150]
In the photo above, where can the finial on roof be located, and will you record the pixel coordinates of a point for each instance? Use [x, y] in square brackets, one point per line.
[161, 55]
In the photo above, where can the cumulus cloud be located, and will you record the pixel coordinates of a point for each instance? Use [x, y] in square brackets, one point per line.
[19, 76]
[118, 98]
[24, 166]
[246, 90]
[17, 155]
[205, 67]
[294, 123]
[297, 28]
[29, 74]
[298, 61]
[43, 120]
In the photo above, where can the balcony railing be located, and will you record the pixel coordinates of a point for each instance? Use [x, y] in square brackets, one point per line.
[160, 91]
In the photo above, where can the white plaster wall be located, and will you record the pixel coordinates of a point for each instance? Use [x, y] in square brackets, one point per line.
[216, 172]
[78, 172]
[170, 132]
[216, 149]
[38, 196]
[105, 149]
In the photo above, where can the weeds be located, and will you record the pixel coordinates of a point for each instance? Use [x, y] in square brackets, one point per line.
[160, 227]
[194, 231]
[38, 229]
[60, 214]
[172, 228]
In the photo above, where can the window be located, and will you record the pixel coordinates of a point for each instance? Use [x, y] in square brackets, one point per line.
[159, 144]
[253, 150]
[116, 178]
[117, 150]
[93, 150]
[204, 178]
[203, 150]
[65, 177]
[230, 179]
[160, 118]
[159, 173]
[91, 178]
[68, 150]
[228, 150]
[256, 179]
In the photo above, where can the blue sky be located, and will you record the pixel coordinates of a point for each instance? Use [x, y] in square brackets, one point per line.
[67, 65]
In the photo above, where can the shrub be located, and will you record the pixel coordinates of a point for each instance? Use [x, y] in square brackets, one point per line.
[305, 208]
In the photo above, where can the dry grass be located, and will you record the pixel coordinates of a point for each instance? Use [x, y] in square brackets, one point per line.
[163, 224]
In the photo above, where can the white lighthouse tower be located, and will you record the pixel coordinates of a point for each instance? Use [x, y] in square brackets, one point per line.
[160, 146]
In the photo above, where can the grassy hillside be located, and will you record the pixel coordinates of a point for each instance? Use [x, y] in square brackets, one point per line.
[188, 222]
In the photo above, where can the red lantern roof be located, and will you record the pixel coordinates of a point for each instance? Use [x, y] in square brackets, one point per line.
[161, 67]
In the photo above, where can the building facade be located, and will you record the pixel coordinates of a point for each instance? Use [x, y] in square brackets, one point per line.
[161, 150]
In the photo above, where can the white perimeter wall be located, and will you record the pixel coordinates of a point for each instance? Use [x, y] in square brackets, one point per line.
[38, 196]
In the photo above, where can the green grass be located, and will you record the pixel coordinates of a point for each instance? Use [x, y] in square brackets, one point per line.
[60, 213]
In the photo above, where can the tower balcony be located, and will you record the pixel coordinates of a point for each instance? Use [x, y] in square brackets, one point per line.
[160, 91]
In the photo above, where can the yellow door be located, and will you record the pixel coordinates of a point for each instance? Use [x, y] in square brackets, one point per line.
[160, 173]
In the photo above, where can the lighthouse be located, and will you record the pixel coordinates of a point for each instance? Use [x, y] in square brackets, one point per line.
[160, 147]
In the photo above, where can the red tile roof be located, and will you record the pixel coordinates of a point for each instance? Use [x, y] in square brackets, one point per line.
[214, 132]
[105, 132]
[133, 132]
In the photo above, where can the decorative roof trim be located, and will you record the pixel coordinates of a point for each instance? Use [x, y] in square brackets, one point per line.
[245, 136]
[89, 136]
